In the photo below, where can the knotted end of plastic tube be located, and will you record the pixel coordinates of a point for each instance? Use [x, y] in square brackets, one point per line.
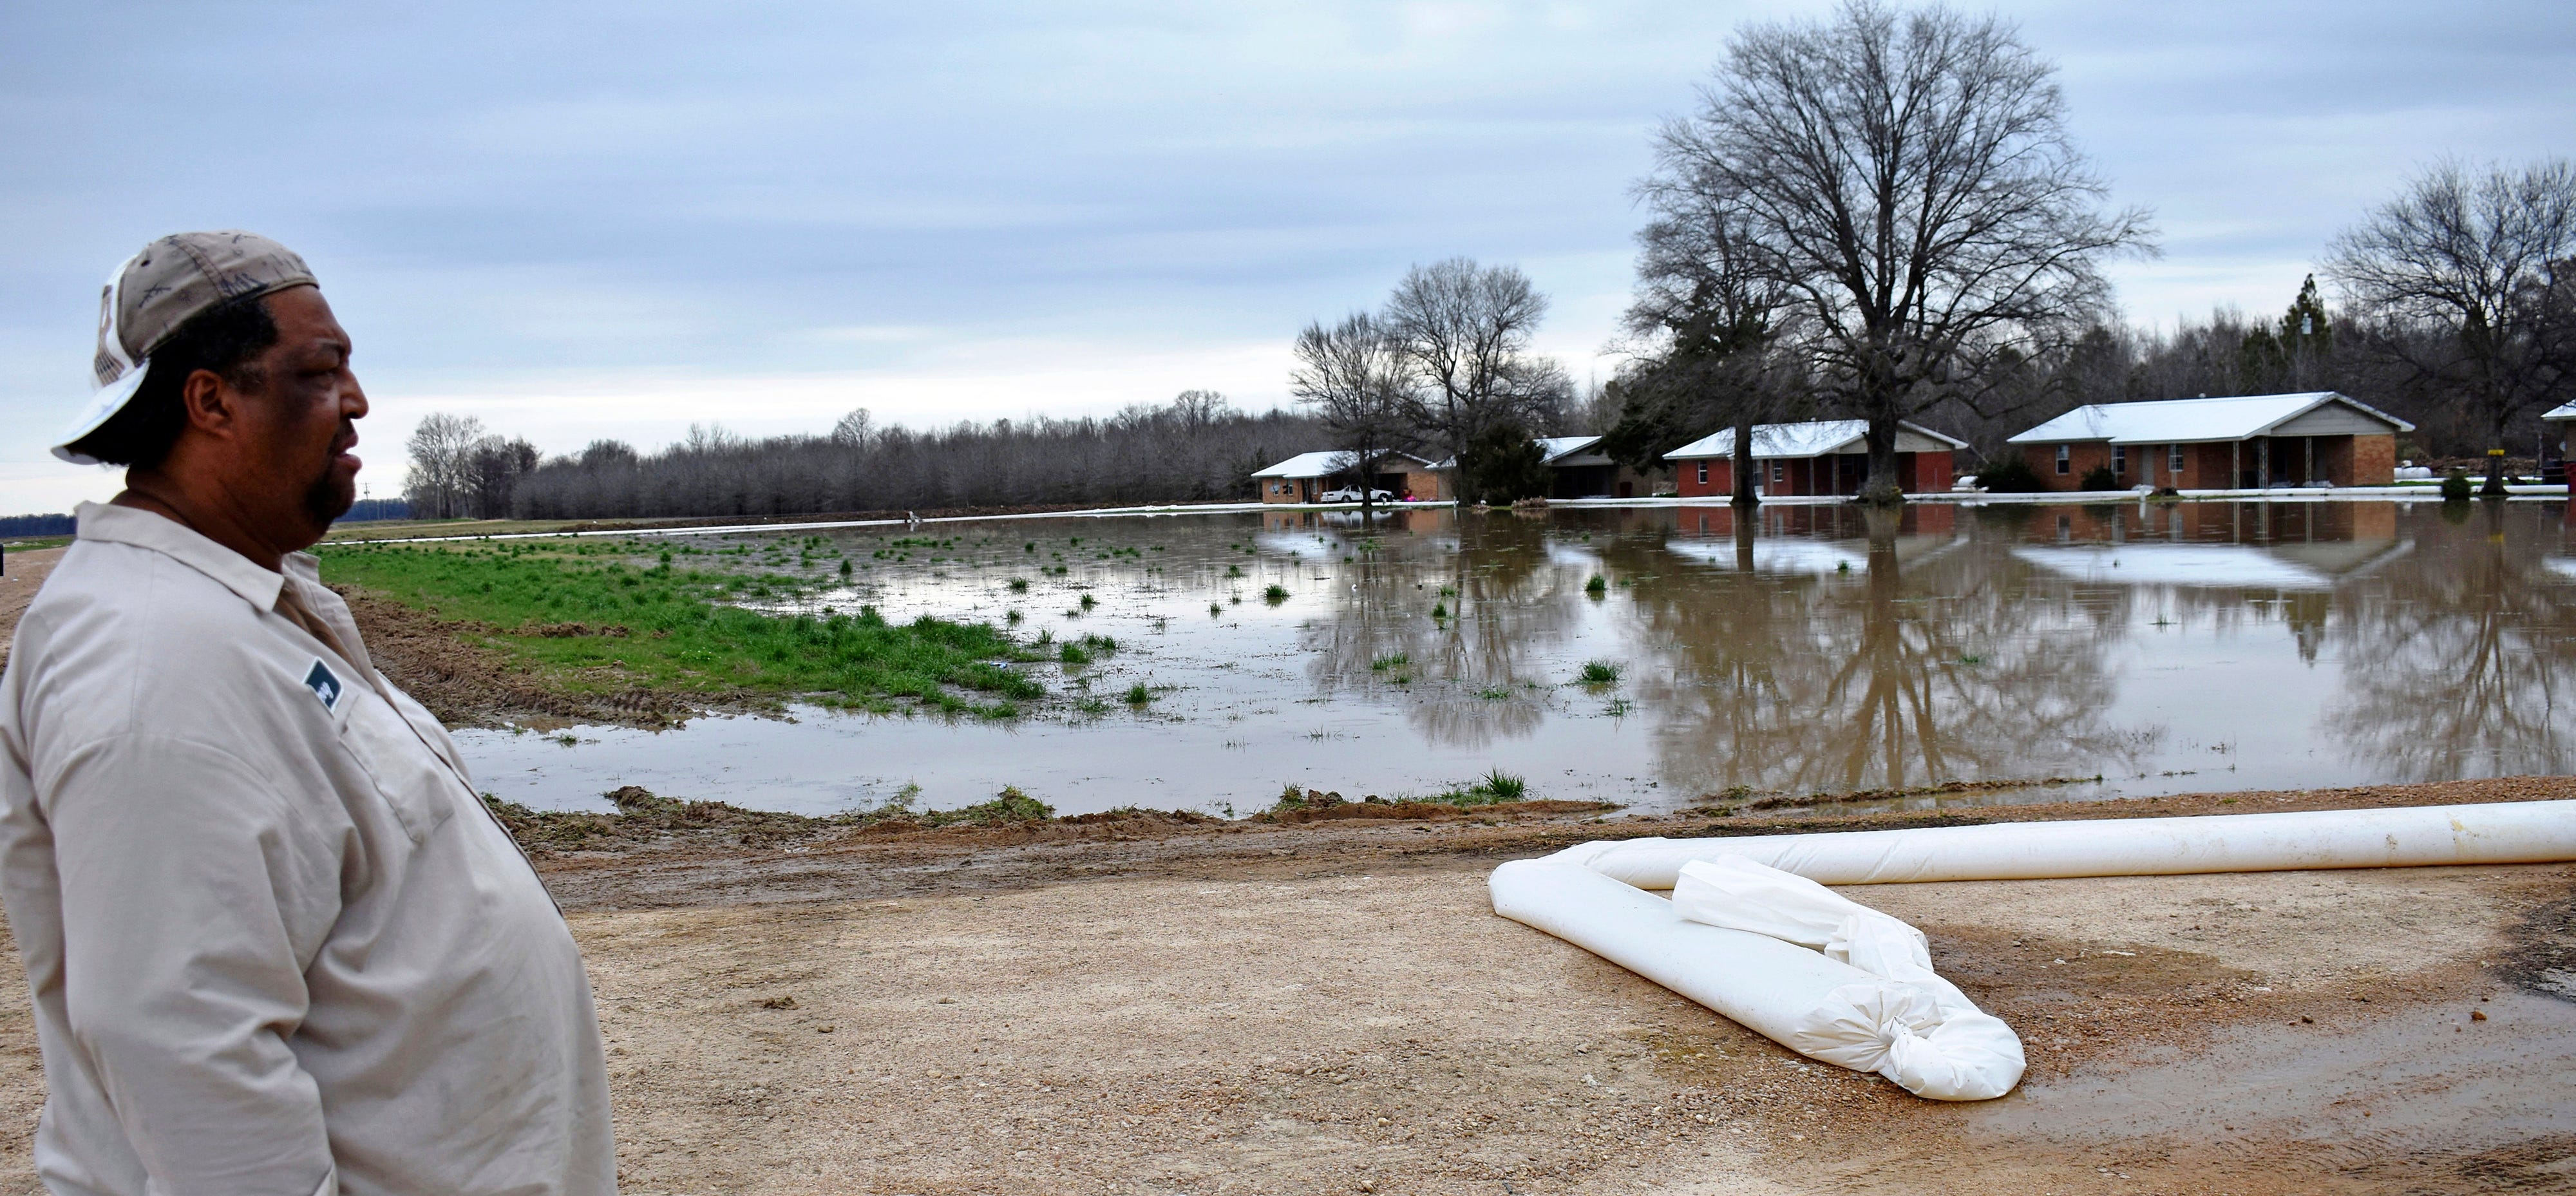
[1906, 1034]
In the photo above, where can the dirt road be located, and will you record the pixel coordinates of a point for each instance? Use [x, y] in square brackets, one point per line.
[1333, 1008]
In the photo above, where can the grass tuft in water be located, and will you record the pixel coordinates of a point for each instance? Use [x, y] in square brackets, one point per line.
[1597, 587]
[1139, 695]
[1494, 787]
[1275, 594]
[1598, 672]
[1394, 660]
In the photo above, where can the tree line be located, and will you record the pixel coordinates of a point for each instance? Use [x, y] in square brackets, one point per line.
[1881, 215]
[1197, 447]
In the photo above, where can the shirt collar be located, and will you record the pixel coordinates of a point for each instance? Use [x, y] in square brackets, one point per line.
[113, 524]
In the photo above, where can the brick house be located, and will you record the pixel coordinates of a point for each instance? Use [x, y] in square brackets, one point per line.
[1826, 456]
[1577, 469]
[1584, 471]
[1305, 477]
[2247, 442]
[2564, 421]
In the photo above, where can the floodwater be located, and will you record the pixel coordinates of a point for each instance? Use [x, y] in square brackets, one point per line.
[2409, 1087]
[1807, 649]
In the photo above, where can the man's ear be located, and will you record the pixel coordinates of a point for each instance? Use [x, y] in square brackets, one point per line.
[212, 404]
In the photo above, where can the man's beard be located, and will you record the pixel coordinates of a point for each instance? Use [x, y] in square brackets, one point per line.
[328, 499]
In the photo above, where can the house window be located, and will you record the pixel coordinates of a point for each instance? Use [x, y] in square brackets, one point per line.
[1703, 473]
[1779, 472]
[2065, 458]
[2174, 461]
[2119, 460]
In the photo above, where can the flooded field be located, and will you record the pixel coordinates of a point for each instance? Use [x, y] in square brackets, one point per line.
[1664, 656]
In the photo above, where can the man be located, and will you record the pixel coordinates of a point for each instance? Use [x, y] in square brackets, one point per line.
[276, 943]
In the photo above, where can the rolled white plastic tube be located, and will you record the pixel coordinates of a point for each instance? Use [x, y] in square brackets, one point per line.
[1917, 1029]
[1823, 1008]
[2493, 833]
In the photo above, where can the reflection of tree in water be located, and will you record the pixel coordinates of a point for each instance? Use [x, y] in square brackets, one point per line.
[1943, 669]
[1512, 597]
[2456, 656]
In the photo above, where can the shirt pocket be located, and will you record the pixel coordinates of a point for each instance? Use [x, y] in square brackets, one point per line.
[415, 784]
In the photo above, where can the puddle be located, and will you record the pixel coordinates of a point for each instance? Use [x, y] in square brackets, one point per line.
[2425, 1079]
[1813, 648]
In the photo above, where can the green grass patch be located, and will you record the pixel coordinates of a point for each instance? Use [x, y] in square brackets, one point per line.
[594, 625]
[1275, 595]
[1598, 672]
[1494, 787]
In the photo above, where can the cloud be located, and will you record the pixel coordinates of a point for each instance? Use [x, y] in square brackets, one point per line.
[701, 199]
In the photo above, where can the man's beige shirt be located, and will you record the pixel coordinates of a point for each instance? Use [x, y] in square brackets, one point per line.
[276, 943]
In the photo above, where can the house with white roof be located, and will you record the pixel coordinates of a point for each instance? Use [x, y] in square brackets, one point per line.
[1584, 471]
[2565, 417]
[1305, 477]
[2245, 442]
[1821, 456]
[1580, 469]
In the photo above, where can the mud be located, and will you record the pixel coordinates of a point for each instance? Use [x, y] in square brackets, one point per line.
[1155, 1005]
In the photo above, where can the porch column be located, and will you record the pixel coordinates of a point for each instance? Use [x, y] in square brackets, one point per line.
[2310, 469]
[2235, 464]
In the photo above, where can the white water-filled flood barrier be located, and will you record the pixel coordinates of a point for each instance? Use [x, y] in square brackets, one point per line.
[1751, 932]
[1672, 656]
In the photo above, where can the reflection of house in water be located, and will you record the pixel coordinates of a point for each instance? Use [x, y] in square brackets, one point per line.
[2266, 546]
[2299, 551]
[1807, 539]
[1415, 520]
[1838, 521]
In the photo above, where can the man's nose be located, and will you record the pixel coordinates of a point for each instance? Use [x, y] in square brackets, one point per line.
[353, 399]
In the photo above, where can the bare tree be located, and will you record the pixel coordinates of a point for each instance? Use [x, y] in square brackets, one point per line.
[1351, 375]
[1713, 328]
[441, 448]
[852, 430]
[1464, 332]
[1910, 177]
[1197, 410]
[492, 470]
[2482, 257]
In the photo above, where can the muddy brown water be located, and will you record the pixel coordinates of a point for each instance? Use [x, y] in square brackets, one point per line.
[2420, 1088]
[1807, 649]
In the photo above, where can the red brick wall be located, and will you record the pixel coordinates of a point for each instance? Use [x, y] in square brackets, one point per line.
[2082, 457]
[1927, 473]
[1721, 477]
[2374, 461]
[1297, 489]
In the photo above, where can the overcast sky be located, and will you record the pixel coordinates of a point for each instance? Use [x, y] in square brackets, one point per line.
[579, 221]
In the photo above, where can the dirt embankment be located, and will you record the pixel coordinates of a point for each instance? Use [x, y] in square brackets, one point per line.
[1156, 1004]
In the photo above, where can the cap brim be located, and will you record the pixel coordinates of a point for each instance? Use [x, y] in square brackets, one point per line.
[103, 405]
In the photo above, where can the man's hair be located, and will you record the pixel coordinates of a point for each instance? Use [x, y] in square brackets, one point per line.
[225, 339]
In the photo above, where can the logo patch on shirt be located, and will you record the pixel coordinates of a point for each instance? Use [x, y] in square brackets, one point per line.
[325, 685]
